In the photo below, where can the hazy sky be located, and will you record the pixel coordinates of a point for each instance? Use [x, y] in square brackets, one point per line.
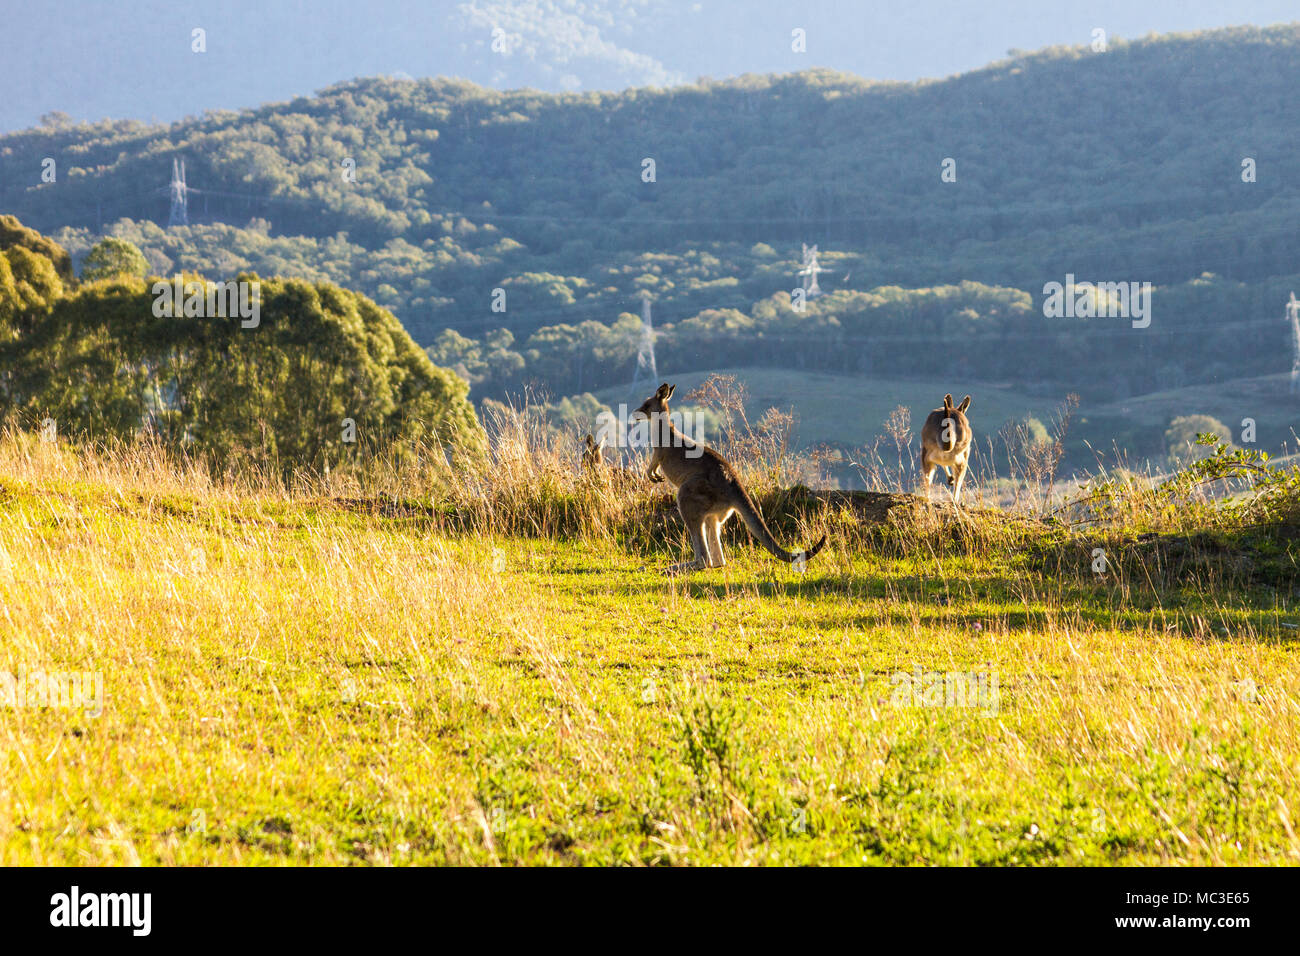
[94, 59]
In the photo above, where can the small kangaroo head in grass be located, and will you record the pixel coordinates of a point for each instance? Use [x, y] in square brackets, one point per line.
[592, 452]
[946, 440]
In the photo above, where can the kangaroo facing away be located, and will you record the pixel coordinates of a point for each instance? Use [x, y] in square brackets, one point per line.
[708, 491]
[946, 440]
[593, 455]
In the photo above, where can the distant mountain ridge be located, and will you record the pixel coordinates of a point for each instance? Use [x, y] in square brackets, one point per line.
[1146, 133]
[1125, 165]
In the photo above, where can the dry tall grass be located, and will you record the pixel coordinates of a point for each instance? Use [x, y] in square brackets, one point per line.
[434, 661]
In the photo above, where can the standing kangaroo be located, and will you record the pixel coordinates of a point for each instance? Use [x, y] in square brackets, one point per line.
[946, 440]
[708, 491]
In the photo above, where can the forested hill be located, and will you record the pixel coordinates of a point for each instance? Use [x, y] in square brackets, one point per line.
[1121, 165]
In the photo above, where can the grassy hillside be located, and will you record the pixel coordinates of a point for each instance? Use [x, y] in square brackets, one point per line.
[459, 190]
[298, 679]
[1141, 420]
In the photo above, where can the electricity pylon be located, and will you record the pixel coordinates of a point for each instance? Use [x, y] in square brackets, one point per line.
[179, 215]
[809, 272]
[1293, 313]
[645, 356]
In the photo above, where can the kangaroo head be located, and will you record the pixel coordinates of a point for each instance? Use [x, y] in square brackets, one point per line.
[955, 427]
[656, 404]
[950, 409]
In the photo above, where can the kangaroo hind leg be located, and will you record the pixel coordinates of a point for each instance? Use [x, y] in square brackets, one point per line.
[961, 468]
[713, 532]
[928, 468]
[694, 512]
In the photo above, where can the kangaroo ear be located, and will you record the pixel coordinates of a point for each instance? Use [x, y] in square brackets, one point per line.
[947, 401]
[663, 391]
[965, 404]
[671, 389]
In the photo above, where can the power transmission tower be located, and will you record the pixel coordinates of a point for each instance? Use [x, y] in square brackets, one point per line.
[645, 356]
[180, 195]
[809, 272]
[1293, 313]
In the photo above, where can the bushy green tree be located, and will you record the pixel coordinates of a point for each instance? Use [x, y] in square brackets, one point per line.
[13, 233]
[1180, 438]
[30, 285]
[1030, 433]
[316, 365]
[113, 257]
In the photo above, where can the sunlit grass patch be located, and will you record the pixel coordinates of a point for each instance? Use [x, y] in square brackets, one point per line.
[290, 679]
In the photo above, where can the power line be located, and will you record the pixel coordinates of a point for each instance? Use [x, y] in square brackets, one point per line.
[537, 318]
[827, 336]
[1064, 211]
[1002, 264]
[1075, 212]
[928, 336]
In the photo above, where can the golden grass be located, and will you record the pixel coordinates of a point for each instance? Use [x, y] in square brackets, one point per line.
[486, 675]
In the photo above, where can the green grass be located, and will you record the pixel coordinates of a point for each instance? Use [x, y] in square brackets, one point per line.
[289, 682]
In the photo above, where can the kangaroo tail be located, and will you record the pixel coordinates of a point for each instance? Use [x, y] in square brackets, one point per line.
[758, 528]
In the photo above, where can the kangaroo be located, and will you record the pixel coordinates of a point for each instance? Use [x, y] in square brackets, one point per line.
[708, 491]
[946, 440]
[605, 467]
[593, 455]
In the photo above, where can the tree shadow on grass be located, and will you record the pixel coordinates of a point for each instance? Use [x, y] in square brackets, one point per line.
[929, 601]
